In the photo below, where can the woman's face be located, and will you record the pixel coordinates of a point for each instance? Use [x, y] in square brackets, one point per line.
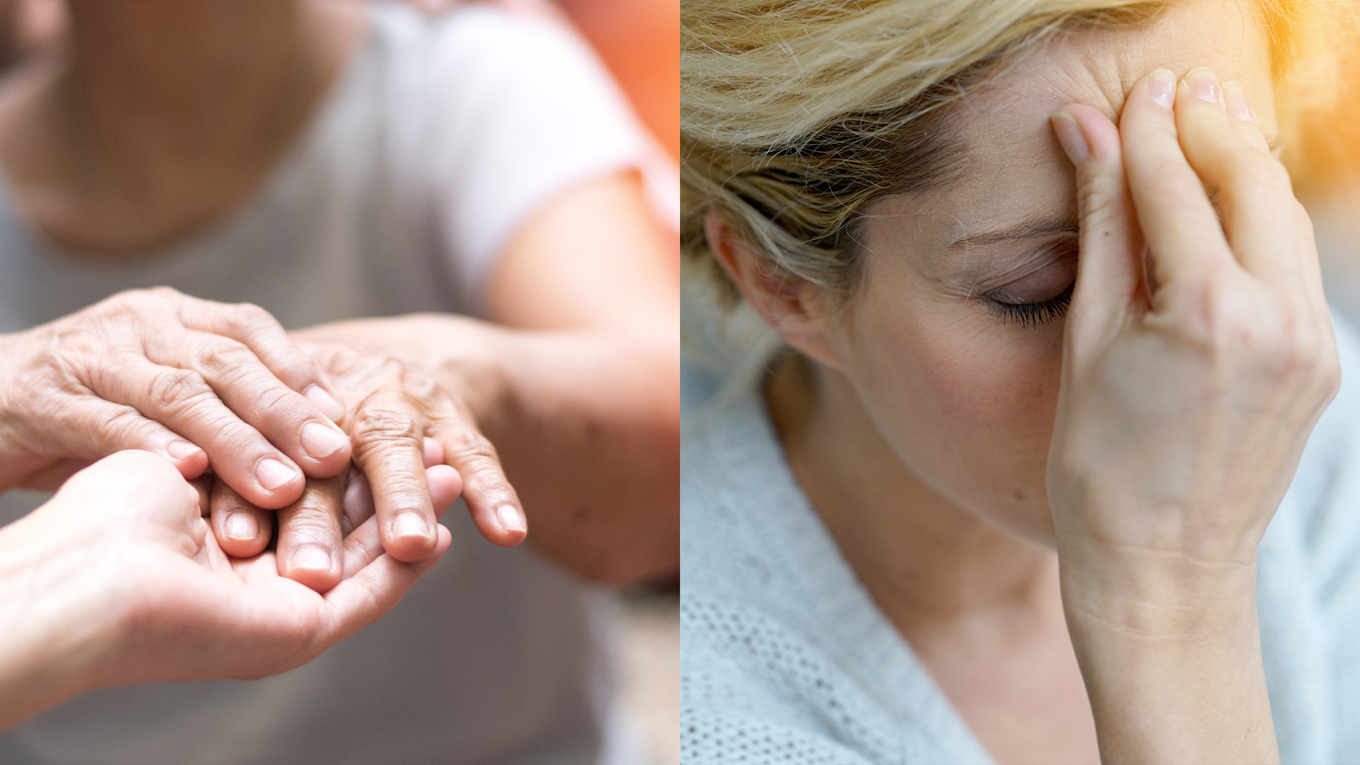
[953, 342]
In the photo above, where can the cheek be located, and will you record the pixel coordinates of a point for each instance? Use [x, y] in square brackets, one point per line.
[986, 382]
[966, 402]
[999, 384]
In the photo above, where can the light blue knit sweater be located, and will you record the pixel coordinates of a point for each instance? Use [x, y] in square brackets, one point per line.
[787, 661]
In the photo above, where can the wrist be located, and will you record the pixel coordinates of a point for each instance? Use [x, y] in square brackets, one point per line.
[1177, 651]
[1154, 593]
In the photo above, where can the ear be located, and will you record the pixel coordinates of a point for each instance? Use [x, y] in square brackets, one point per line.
[795, 309]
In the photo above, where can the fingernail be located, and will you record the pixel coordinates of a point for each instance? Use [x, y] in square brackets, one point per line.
[324, 402]
[241, 526]
[1203, 85]
[272, 474]
[511, 519]
[321, 441]
[1235, 100]
[1071, 138]
[310, 557]
[410, 525]
[1162, 87]
[181, 449]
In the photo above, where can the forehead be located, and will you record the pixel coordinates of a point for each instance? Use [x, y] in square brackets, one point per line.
[1012, 168]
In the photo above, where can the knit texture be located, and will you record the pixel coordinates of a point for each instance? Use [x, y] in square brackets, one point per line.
[787, 661]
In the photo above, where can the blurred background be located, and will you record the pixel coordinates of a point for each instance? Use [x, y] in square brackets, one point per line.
[639, 40]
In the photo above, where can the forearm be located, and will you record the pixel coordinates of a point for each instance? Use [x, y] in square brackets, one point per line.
[1173, 667]
[586, 425]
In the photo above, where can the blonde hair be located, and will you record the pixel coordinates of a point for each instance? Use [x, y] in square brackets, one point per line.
[795, 115]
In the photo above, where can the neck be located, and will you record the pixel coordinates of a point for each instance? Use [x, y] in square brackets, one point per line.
[182, 76]
[921, 557]
[163, 115]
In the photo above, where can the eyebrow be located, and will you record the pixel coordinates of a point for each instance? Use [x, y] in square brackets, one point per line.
[1034, 227]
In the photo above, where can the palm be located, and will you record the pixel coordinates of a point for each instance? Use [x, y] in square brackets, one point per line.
[183, 609]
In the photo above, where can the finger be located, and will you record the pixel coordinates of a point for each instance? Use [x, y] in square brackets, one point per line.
[358, 502]
[92, 428]
[1178, 222]
[370, 593]
[1244, 117]
[184, 402]
[363, 545]
[241, 529]
[310, 545]
[259, 331]
[491, 500]
[434, 452]
[211, 554]
[1110, 266]
[203, 485]
[239, 379]
[1254, 192]
[388, 436]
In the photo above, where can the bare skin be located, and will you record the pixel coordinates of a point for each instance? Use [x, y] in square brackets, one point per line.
[117, 580]
[923, 425]
[118, 148]
[108, 141]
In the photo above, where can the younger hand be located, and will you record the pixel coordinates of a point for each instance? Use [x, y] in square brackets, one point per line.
[1198, 354]
[125, 584]
[1186, 397]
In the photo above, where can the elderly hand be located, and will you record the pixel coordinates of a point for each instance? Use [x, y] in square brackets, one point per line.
[200, 383]
[1190, 386]
[400, 423]
[117, 580]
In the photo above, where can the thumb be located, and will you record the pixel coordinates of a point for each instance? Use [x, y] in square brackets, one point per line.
[1110, 263]
[131, 484]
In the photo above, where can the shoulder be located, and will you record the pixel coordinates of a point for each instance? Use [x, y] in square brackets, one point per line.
[479, 49]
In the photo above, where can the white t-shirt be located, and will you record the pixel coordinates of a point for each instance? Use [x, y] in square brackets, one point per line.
[436, 143]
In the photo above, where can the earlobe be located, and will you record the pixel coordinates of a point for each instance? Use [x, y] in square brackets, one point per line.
[791, 306]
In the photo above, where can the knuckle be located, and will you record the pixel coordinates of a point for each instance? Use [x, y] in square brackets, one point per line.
[177, 390]
[1094, 201]
[380, 427]
[246, 320]
[1259, 171]
[476, 460]
[222, 358]
[311, 523]
[468, 445]
[123, 428]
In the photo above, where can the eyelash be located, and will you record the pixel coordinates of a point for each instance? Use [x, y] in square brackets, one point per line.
[1034, 314]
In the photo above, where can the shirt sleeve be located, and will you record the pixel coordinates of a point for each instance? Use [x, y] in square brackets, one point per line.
[522, 112]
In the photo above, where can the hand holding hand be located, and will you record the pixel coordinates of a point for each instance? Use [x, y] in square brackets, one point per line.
[401, 423]
[123, 583]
